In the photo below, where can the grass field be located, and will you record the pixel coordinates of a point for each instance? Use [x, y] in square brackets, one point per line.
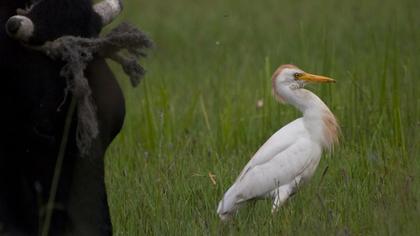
[195, 113]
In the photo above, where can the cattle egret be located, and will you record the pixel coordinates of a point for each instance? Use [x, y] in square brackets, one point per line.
[289, 157]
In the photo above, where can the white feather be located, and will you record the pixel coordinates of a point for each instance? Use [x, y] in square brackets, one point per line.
[290, 156]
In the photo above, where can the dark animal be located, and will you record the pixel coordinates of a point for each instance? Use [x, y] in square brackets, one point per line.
[34, 108]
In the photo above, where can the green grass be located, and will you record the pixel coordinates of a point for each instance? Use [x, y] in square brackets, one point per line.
[195, 113]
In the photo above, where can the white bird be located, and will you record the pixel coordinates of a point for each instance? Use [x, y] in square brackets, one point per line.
[290, 156]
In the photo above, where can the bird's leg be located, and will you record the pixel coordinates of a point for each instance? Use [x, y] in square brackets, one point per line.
[282, 193]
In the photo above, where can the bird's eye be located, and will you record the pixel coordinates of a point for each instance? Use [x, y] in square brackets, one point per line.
[297, 75]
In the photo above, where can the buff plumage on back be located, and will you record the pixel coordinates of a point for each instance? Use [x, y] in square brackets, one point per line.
[332, 130]
[273, 79]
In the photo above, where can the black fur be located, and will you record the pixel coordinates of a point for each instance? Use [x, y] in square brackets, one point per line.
[32, 123]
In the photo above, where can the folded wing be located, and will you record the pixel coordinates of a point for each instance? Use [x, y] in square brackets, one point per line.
[279, 161]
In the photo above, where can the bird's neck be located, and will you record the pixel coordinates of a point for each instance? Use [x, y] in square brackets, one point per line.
[319, 120]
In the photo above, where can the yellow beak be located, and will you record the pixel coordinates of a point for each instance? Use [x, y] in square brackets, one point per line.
[315, 78]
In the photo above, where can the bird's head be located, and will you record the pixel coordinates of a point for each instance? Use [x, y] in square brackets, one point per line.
[291, 77]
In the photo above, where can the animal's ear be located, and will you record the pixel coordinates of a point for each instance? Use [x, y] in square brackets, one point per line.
[108, 10]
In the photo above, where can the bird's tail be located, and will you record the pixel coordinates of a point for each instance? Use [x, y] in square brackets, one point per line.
[227, 206]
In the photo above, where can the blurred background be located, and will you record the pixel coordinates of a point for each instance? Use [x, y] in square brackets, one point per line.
[205, 106]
